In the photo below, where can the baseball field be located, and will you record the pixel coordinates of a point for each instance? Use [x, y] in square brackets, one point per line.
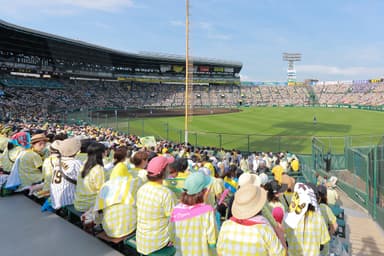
[257, 128]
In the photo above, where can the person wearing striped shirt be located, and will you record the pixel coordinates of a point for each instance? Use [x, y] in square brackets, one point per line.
[65, 172]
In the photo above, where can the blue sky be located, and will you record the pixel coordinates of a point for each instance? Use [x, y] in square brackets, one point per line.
[339, 39]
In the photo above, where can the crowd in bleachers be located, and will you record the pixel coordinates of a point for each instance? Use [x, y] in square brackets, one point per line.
[17, 103]
[195, 200]
[50, 96]
[369, 94]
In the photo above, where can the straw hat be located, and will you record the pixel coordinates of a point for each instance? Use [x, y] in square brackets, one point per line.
[38, 137]
[68, 147]
[249, 178]
[249, 200]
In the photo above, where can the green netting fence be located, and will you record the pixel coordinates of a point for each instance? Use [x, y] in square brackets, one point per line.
[360, 170]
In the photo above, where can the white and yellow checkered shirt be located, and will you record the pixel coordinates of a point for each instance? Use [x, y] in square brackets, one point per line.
[117, 199]
[154, 206]
[196, 236]
[29, 165]
[241, 240]
[329, 219]
[119, 220]
[306, 238]
[88, 187]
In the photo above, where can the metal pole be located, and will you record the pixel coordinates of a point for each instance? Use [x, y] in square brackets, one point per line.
[220, 141]
[186, 71]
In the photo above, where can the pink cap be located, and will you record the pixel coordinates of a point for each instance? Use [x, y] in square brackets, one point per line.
[278, 214]
[158, 165]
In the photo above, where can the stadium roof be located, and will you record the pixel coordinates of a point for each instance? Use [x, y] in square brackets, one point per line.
[36, 42]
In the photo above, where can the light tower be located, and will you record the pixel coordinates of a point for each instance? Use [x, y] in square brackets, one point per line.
[291, 71]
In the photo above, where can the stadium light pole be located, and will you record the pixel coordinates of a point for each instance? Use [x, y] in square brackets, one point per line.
[291, 58]
[186, 71]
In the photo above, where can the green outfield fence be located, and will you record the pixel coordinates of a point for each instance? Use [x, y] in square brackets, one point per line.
[360, 170]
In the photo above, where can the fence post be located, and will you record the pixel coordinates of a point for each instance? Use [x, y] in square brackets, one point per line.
[248, 140]
[195, 139]
[129, 132]
[220, 141]
[375, 159]
[180, 135]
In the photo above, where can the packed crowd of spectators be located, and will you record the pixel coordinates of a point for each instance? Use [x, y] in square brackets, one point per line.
[369, 94]
[199, 200]
[25, 103]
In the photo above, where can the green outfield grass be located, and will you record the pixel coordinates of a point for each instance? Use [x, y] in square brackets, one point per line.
[264, 128]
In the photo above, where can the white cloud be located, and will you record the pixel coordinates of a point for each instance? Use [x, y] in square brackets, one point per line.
[344, 71]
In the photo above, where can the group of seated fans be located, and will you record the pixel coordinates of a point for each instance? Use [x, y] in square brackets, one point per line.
[198, 201]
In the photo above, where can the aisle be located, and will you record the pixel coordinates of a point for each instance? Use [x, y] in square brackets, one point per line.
[364, 234]
[27, 231]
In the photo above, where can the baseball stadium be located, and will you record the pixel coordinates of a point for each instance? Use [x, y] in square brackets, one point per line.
[186, 107]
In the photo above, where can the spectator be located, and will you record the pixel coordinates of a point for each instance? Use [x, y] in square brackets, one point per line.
[328, 216]
[140, 160]
[65, 172]
[332, 195]
[248, 232]
[117, 201]
[30, 165]
[305, 229]
[120, 169]
[90, 179]
[194, 220]
[155, 203]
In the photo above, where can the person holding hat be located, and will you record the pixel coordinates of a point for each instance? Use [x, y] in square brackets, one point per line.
[30, 165]
[305, 229]
[247, 232]
[155, 203]
[65, 172]
[195, 225]
[91, 178]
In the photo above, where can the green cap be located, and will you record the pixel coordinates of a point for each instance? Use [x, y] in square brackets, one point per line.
[196, 182]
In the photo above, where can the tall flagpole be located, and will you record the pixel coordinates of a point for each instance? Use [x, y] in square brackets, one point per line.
[186, 71]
